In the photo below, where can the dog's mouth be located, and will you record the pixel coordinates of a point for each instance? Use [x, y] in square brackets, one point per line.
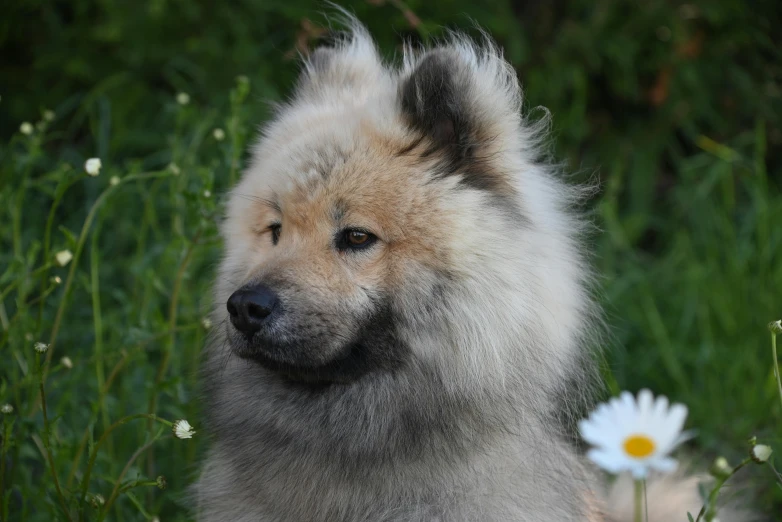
[347, 367]
[312, 360]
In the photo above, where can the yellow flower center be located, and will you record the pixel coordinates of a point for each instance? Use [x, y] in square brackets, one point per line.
[639, 446]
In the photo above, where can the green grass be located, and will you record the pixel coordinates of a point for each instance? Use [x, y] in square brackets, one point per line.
[677, 109]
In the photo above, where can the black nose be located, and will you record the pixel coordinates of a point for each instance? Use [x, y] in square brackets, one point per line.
[250, 307]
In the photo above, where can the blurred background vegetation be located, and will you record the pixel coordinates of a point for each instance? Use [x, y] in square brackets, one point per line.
[675, 107]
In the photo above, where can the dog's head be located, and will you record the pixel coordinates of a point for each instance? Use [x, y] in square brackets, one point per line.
[391, 214]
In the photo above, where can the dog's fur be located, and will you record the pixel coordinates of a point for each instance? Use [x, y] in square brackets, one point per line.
[426, 377]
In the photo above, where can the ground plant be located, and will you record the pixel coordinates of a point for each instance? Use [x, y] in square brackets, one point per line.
[123, 124]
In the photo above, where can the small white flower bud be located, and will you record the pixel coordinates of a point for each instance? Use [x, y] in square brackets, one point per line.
[92, 166]
[55, 280]
[207, 194]
[219, 134]
[6, 409]
[775, 327]
[174, 168]
[183, 98]
[720, 468]
[97, 500]
[41, 347]
[48, 115]
[760, 453]
[66, 362]
[114, 181]
[182, 429]
[26, 128]
[63, 257]
[206, 323]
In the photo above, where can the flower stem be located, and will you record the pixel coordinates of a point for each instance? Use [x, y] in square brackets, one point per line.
[709, 510]
[97, 319]
[639, 501]
[118, 485]
[74, 262]
[102, 439]
[776, 363]
[46, 439]
[172, 322]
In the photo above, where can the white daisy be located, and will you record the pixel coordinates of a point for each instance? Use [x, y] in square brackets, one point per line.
[635, 436]
[41, 347]
[182, 429]
[92, 166]
[7, 408]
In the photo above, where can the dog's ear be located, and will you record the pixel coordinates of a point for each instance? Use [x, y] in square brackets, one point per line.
[319, 59]
[316, 68]
[440, 99]
[346, 60]
[433, 101]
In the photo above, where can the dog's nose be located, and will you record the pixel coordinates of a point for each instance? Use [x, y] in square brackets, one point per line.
[251, 306]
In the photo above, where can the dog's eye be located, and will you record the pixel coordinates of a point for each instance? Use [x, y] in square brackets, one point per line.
[275, 228]
[355, 239]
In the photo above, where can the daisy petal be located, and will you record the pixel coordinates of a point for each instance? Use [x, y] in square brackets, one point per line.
[684, 437]
[627, 400]
[645, 402]
[597, 433]
[676, 415]
[639, 472]
[660, 406]
[590, 432]
[672, 425]
[664, 465]
[609, 461]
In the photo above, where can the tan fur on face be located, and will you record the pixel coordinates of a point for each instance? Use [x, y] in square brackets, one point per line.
[372, 187]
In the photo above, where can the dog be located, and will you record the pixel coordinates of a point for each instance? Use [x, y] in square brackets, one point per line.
[404, 307]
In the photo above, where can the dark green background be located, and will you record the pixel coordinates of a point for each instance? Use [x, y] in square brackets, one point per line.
[675, 108]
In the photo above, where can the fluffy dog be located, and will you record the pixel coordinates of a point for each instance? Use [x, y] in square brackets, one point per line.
[403, 306]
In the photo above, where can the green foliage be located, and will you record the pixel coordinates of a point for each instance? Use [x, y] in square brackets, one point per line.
[676, 108]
